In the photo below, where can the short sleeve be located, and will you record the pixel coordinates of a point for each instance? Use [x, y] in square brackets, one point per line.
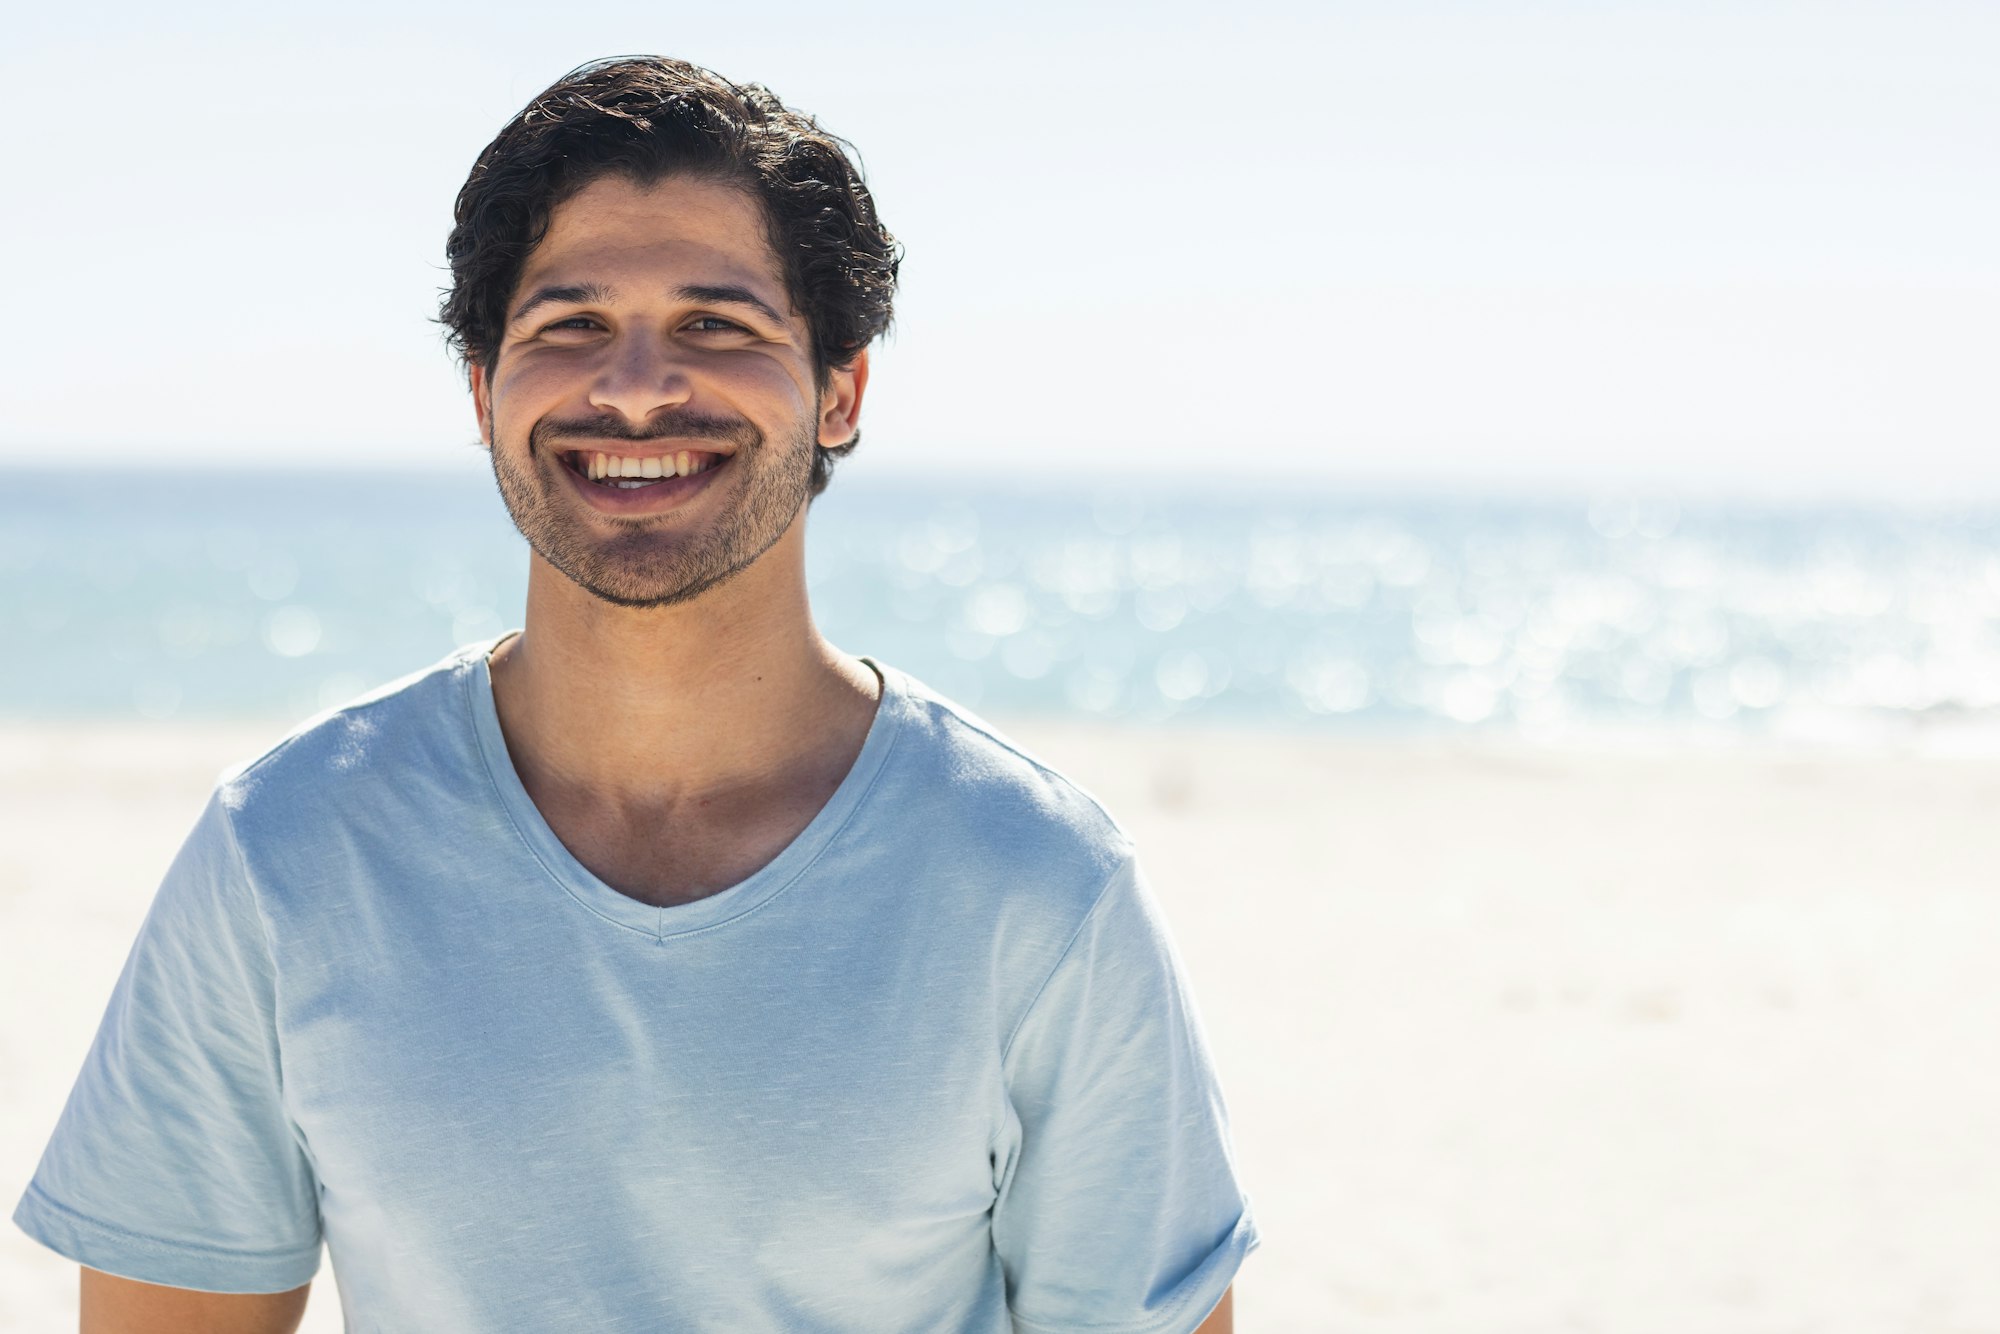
[1118, 1205]
[174, 1161]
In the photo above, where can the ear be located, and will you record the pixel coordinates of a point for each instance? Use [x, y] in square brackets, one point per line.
[840, 403]
[482, 403]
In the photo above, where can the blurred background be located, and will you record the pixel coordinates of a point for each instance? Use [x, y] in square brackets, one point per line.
[1503, 500]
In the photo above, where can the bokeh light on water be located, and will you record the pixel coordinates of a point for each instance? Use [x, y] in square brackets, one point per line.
[204, 595]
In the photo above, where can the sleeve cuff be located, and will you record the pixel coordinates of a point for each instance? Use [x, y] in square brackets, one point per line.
[172, 1264]
[1189, 1304]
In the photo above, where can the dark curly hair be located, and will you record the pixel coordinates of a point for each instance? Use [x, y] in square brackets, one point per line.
[650, 118]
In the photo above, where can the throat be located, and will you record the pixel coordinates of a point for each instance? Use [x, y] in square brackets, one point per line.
[677, 858]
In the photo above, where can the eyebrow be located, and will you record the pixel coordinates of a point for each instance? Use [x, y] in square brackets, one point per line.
[569, 294]
[725, 294]
[730, 294]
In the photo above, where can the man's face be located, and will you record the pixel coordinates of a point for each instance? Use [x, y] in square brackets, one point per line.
[652, 326]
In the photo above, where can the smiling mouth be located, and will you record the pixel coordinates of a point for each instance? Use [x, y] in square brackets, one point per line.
[633, 472]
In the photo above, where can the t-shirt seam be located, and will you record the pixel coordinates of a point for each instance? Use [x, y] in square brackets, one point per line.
[656, 933]
[270, 938]
[826, 845]
[1103, 892]
[479, 742]
[250, 892]
[41, 1197]
[1034, 1326]
[1027, 1011]
[1244, 1227]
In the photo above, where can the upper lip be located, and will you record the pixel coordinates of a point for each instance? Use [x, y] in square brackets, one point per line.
[648, 449]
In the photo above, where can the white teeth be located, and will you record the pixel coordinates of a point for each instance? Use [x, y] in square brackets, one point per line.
[613, 467]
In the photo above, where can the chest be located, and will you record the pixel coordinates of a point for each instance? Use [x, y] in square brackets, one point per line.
[812, 1088]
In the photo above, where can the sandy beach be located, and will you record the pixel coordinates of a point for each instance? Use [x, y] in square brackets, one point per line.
[1515, 1038]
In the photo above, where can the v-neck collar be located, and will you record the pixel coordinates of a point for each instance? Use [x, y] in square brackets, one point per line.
[714, 910]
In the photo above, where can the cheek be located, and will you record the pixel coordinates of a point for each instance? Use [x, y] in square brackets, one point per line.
[762, 383]
[528, 381]
[522, 394]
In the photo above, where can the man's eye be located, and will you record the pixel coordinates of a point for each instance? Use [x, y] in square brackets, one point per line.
[574, 322]
[713, 324]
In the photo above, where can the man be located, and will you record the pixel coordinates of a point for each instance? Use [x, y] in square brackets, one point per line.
[660, 966]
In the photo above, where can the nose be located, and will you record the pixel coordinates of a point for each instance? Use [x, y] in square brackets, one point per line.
[639, 377]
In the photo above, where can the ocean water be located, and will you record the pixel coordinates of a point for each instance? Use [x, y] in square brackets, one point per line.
[243, 594]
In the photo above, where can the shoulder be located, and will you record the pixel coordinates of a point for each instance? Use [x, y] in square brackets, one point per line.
[375, 747]
[985, 797]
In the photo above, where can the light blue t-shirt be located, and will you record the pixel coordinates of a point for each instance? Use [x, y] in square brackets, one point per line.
[932, 1069]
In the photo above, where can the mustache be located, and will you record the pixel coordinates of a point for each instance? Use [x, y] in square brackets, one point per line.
[683, 425]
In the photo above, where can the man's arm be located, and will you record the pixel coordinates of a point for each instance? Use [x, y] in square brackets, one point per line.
[1118, 1201]
[113, 1305]
[1221, 1320]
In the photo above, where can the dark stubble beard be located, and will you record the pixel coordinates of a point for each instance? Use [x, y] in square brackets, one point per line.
[657, 561]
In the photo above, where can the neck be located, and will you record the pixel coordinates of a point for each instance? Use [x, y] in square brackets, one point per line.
[661, 707]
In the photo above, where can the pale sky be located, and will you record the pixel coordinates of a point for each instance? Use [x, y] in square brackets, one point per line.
[1735, 249]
